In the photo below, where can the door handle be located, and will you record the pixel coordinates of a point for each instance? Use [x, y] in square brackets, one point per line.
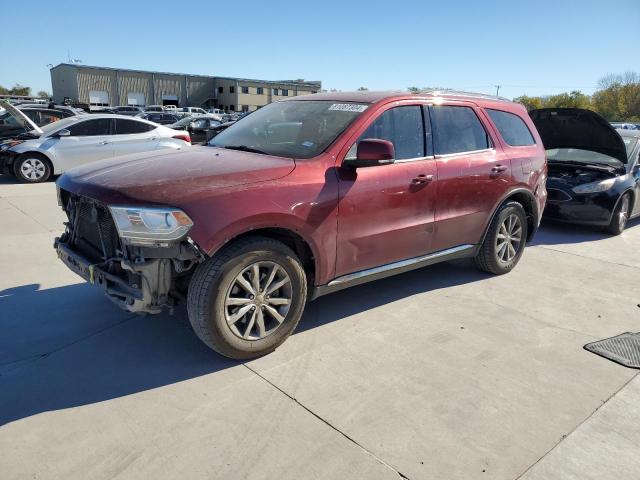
[498, 169]
[105, 142]
[154, 138]
[422, 179]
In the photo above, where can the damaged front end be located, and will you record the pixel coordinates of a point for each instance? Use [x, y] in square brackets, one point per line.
[140, 257]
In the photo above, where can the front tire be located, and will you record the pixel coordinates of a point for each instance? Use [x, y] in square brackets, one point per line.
[246, 300]
[32, 168]
[505, 240]
[620, 215]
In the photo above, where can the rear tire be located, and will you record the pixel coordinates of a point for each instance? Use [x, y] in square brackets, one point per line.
[505, 240]
[241, 315]
[620, 216]
[32, 168]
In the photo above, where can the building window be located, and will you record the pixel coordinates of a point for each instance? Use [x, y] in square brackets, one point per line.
[232, 89]
[232, 108]
[220, 89]
[221, 107]
[285, 92]
[260, 90]
[275, 91]
[245, 89]
[245, 108]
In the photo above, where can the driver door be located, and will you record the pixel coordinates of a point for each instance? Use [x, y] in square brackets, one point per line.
[89, 140]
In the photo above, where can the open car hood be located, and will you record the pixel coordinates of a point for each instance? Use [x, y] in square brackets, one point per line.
[20, 117]
[578, 128]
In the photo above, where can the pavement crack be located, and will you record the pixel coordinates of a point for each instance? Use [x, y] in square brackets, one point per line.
[21, 361]
[26, 214]
[329, 424]
[565, 437]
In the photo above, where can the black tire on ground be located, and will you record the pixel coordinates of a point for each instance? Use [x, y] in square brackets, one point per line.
[32, 168]
[488, 256]
[620, 215]
[212, 282]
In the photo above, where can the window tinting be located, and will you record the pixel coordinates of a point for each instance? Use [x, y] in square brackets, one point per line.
[99, 126]
[126, 127]
[512, 128]
[457, 129]
[245, 89]
[402, 126]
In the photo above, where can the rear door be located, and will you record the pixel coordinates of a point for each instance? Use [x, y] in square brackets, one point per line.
[132, 136]
[473, 174]
[89, 141]
[386, 212]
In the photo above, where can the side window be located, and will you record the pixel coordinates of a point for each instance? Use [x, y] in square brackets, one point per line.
[90, 128]
[46, 118]
[127, 127]
[457, 130]
[402, 126]
[512, 128]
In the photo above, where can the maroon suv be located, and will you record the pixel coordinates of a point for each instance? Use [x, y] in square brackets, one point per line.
[302, 198]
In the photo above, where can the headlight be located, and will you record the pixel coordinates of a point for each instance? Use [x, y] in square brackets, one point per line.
[150, 225]
[595, 187]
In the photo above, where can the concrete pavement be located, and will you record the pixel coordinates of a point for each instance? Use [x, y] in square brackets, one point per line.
[439, 373]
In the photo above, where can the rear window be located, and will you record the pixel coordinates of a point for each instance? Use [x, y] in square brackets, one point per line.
[512, 128]
[124, 127]
[457, 130]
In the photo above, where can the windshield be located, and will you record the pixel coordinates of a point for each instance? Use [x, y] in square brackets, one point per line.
[630, 143]
[582, 156]
[55, 126]
[184, 121]
[8, 119]
[300, 129]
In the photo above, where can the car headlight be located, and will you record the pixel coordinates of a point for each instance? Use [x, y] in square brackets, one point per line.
[595, 187]
[150, 225]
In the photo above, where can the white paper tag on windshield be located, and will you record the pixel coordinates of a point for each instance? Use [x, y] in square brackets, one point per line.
[348, 107]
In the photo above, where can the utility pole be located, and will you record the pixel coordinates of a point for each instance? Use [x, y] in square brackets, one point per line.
[497, 90]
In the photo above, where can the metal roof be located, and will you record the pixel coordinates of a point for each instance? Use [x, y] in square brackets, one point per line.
[315, 84]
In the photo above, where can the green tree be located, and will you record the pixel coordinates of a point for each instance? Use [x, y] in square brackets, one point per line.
[4, 90]
[530, 103]
[362, 89]
[619, 97]
[44, 94]
[414, 89]
[20, 90]
[574, 99]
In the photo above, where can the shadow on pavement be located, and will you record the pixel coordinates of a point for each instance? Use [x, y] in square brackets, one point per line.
[556, 233]
[94, 352]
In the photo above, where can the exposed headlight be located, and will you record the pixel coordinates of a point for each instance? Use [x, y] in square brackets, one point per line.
[595, 187]
[150, 225]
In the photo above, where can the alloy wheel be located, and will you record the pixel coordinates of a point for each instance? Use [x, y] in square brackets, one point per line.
[32, 169]
[258, 300]
[623, 215]
[509, 238]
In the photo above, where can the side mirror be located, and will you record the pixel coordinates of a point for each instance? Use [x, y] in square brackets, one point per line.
[63, 133]
[373, 152]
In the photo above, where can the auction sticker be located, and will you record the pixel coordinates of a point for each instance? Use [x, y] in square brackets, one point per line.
[348, 107]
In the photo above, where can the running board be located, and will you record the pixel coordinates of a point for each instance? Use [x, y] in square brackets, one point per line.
[364, 276]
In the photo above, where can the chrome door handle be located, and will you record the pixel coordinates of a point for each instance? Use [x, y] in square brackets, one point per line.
[421, 179]
[498, 169]
[105, 142]
[154, 138]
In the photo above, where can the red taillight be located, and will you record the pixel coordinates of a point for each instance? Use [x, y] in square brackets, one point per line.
[185, 137]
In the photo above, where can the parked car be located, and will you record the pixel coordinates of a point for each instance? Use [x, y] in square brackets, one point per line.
[217, 129]
[248, 230]
[12, 126]
[154, 108]
[198, 127]
[623, 126]
[128, 110]
[594, 175]
[190, 111]
[58, 146]
[159, 118]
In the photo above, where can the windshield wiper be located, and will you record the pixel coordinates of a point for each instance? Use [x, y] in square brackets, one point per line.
[243, 148]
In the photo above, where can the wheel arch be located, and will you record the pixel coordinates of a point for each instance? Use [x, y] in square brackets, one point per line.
[34, 153]
[525, 198]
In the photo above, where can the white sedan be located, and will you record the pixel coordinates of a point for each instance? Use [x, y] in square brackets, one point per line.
[52, 149]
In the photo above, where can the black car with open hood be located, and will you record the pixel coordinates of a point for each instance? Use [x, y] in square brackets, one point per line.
[593, 170]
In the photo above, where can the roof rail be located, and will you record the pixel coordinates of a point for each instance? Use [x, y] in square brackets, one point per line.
[446, 91]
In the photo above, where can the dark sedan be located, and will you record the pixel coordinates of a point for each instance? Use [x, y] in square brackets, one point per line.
[593, 169]
[160, 118]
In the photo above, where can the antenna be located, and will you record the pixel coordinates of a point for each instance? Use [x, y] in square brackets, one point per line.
[497, 90]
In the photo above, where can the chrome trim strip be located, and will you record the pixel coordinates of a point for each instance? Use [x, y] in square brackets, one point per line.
[457, 154]
[397, 265]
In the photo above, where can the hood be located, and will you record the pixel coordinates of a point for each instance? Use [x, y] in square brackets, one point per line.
[578, 128]
[21, 117]
[170, 177]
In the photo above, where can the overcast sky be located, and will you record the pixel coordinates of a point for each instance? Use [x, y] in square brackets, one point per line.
[536, 47]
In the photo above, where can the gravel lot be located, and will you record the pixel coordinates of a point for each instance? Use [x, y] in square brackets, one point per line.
[442, 373]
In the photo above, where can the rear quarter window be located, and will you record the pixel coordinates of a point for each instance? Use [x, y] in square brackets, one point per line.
[512, 128]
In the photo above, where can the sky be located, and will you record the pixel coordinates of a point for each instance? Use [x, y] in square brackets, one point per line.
[527, 47]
